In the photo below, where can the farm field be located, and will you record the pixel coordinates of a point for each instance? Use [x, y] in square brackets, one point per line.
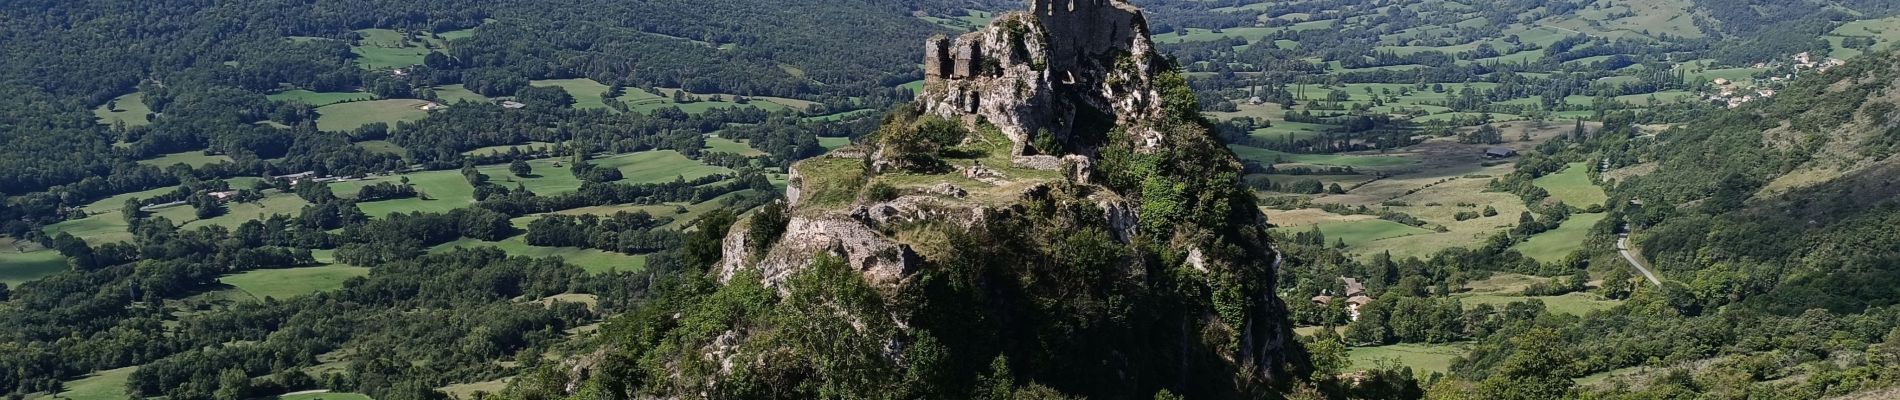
[284, 283]
[1573, 186]
[324, 396]
[22, 261]
[451, 94]
[129, 109]
[437, 191]
[386, 49]
[1573, 303]
[319, 99]
[441, 191]
[349, 116]
[1553, 245]
[724, 145]
[586, 92]
[1359, 232]
[103, 385]
[1344, 160]
[1424, 359]
[193, 158]
[492, 150]
[594, 261]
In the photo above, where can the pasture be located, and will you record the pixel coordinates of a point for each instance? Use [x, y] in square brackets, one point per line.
[319, 99]
[1359, 232]
[387, 49]
[129, 109]
[102, 385]
[451, 94]
[1573, 186]
[284, 283]
[22, 261]
[1553, 245]
[194, 158]
[344, 117]
[724, 145]
[1278, 157]
[1424, 359]
[586, 92]
[594, 261]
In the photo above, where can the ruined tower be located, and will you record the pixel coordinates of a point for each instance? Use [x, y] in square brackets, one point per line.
[936, 58]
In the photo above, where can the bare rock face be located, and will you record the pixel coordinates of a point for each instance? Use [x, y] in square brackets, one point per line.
[1036, 70]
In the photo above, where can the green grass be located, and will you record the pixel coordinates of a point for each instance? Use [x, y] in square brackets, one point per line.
[193, 158]
[586, 92]
[451, 94]
[104, 385]
[1359, 232]
[1270, 156]
[724, 145]
[324, 396]
[440, 191]
[1553, 245]
[1573, 304]
[285, 283]
[384, 49]
[1573, 186]
[833, 142]
[1251, 34]
[492, 150]
[594, 261]
[274, 203]
[383, 146]
[1423, 358]
[658, 166]
[25, 261]
[345, 117]
[129, 109]
[319, 99]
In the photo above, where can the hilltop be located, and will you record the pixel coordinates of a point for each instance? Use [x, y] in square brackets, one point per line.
[1052, 216]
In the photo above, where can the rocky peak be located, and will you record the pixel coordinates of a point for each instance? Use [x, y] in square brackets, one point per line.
[1035, 71]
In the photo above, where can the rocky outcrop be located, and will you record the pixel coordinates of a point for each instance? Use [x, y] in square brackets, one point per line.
[1037, 70]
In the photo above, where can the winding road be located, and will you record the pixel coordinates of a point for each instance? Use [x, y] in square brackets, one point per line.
[1623, 247]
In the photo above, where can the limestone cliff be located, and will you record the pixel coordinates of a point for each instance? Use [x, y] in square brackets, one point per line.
[1126, 226]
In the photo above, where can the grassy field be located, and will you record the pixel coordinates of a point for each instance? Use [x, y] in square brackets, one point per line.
[439, 191]
[104, 385]
[1573, 186]
[193, 158]
[833, 142]
[724, 145]
[1573, 304]
[1270, 156]
[319, 99]
[1359, 232]
[348, 116]
[383, 146]
[1552, 246]
[384, 48]
[492, 150]
[451, 94]
[285, 283]
[129, 109]
[26, 261]
[274, 203]
[594, 261]
[1423, 358]
[586, 92]
[645, 102]
[324, 396]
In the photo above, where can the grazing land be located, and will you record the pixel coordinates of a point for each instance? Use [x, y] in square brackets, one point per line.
[349, 116]
[592, 260]
[320, 99]
[129, 109]
[1555, 244]
[22, 261]
[285, 283]
[192, 158]
[1573, 186]
[102, 385]
[1424, 359]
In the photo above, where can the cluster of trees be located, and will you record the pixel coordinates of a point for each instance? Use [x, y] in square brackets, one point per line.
[625, 232]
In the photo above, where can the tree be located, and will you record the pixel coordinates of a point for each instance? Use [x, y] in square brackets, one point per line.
[1540, 366]
[1335, 189]
[233, 384]
[520, 168]
[1619, 285]
[1490, 211]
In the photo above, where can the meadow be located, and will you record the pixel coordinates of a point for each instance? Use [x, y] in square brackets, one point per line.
[1424, 359]
[1278, 157]
[319, 99]
[344, 117]
[1359, 232]
[22, 261]
[284, 283]
[1553, 245]
[594, 261]
[129, 109]
[103, 385]
[1573, 186]
[194, 158]
[386, 49]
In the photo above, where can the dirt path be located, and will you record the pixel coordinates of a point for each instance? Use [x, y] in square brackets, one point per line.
[1623, 247]
[306, 392]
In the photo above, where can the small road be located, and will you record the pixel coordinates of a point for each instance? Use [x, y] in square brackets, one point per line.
[307, 392]
[1623, 247]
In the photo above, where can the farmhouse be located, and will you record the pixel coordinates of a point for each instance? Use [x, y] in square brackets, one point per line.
[1499, 152]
